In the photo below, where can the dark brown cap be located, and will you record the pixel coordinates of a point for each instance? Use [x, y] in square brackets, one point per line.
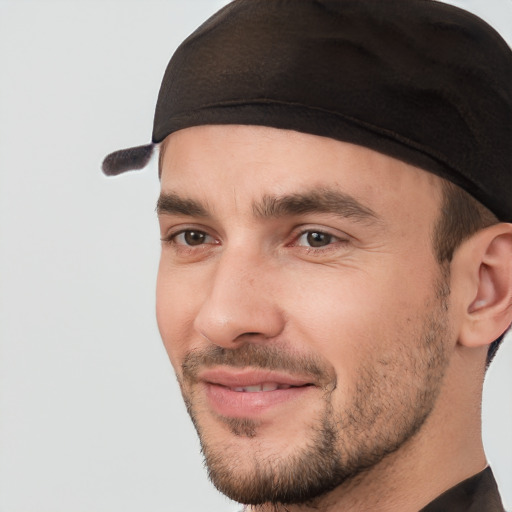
[419, 80]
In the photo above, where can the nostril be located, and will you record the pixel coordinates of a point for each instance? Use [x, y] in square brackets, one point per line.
[248, 336]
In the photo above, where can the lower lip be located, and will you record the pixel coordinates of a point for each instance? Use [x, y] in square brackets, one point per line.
[239, 404]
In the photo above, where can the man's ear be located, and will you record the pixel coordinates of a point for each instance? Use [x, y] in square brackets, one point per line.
[484, 263]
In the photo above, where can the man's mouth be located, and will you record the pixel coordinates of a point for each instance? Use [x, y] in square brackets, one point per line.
[248, 393]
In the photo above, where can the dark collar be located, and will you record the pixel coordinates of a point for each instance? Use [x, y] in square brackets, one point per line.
[476, 494]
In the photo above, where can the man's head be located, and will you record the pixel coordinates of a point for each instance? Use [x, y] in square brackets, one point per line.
[330, 280]
[295, 260]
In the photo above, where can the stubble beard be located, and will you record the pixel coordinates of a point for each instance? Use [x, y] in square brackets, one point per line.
[341, 445]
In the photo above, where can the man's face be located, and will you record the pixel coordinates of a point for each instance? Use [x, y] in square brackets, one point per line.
[300, 303]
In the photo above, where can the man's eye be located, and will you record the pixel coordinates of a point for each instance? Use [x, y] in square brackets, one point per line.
[192, 237]
[315, 239]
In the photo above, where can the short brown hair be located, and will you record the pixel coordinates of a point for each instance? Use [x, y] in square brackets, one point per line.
[461, 216]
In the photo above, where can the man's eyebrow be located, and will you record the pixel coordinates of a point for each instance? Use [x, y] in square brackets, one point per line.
[316, 201]
[172, 204]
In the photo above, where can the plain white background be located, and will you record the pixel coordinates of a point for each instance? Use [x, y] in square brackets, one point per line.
[91, 419]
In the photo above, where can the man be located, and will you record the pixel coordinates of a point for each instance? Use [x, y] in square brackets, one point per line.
[336, 268]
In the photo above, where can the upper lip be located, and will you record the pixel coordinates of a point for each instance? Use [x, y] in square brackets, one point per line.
[234, 377]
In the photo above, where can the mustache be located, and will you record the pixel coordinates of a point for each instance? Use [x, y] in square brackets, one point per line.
[266, 357]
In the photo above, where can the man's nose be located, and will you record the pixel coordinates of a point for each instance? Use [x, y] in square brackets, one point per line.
[240, 304]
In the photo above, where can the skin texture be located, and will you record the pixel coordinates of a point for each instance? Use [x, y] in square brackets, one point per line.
[350, 302]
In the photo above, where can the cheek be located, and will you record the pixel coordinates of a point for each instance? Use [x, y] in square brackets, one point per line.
[353, 316]
[175, 313]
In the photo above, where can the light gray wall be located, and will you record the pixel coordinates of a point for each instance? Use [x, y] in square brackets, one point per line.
[90, 416]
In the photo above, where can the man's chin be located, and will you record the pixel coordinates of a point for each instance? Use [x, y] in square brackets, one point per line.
[254, 462]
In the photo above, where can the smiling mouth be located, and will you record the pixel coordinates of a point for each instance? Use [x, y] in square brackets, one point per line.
[249, 380]
[264, 387]
[250, 393]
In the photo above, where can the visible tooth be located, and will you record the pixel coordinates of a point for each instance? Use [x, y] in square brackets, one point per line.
[266, 386]
[252, 389]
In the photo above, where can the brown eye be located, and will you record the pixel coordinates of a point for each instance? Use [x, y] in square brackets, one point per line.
[191, 238]
[194, 237]
[315, 239]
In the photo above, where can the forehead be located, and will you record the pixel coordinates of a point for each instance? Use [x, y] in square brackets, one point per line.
[216, 163]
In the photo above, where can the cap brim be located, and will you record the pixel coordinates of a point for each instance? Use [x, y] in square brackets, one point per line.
[124, 160]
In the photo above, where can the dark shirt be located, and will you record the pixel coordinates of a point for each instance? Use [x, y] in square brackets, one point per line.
[476, 494]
